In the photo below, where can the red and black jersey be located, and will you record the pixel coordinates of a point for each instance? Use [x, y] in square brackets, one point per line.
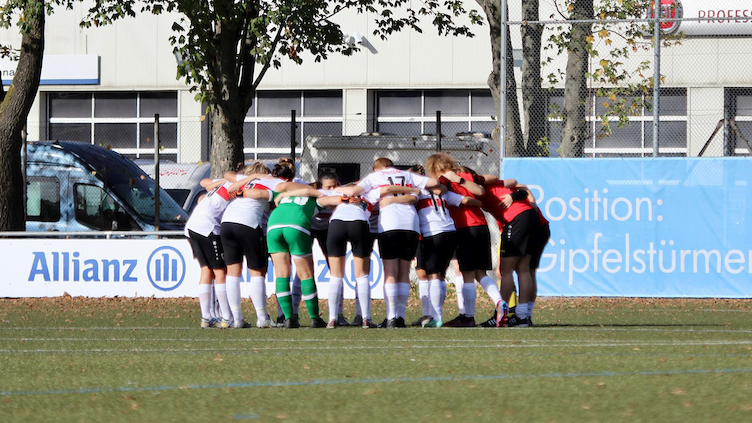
[465, 216]
[492, 203]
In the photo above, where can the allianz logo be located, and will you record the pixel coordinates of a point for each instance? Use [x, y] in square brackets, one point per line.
[165, 268]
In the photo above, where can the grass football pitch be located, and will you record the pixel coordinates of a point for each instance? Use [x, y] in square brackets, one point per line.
[586, 360]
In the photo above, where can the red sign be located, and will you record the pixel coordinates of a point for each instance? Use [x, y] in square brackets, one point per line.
[670, 9]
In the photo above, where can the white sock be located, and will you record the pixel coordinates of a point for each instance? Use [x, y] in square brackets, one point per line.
[258, 297]
[341, 302]
[213, 304]
[204, 299]
[358, 309]
[224, 306]
[390, 292]
[335, 294]
[469, 294]
[403, 295]
[522, 310]
[233, 297]
[491, 289]
[425, 296]
[443, 293]
[459, 282]
[364, 297]
[437, 298]
[386, 302]
[530, 306]
[297, 294]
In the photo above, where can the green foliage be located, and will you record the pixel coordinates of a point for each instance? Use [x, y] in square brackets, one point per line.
[24, 12]
[226, 46]
[622, 89]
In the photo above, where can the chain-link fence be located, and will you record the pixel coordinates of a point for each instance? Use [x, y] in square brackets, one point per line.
[584, 84]
[581, 87]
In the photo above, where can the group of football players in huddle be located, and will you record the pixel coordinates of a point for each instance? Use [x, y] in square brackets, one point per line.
[433, 213]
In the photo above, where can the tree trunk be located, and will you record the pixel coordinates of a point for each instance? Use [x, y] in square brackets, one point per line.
[14, 110]
[227, 139]
[575, 130]
[533, 100]
[228, 110]
[514, 142]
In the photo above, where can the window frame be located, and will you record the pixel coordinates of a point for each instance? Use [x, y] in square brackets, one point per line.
[643, 150]
[76, 202]
[138, 120]
[43, 179]
[731, 94]
[424, 119]
[300, 120]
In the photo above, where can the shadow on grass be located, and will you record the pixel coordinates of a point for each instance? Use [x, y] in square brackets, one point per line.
[627, 325]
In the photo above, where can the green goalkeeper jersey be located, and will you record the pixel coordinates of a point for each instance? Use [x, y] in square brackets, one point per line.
[294, 212]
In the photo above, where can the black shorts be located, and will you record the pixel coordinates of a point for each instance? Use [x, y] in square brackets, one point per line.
[419, 257]
[320, 236]
[240, 241]
[356, 232]
[207, 250]
[516, 239]
[437, 251]
[398, 244]
[539, 241]
[474, 248]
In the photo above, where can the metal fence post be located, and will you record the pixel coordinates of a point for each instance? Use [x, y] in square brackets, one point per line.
[727, 131]
[292, 134]
[657, 11]
[24, 161]
[438, 131]
[503, 88]
[156, 172]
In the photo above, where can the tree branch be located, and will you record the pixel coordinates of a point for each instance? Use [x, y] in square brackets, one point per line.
[272, 50]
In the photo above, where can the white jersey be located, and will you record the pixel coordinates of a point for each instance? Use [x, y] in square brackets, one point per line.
[394, 216]
[433, 213]
[250, 211]
[207, 215]
[349, 212]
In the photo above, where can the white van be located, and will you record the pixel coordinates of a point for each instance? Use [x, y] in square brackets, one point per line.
[180, 180]
[352, 157]
[73, 186]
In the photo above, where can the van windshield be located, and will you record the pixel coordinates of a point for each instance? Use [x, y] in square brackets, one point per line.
[139, 195]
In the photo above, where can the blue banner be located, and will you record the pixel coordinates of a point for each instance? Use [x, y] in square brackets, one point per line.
[665, 227]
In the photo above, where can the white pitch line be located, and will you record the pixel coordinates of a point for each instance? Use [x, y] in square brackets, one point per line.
[385, 347]
[444, 330]
[564, 342]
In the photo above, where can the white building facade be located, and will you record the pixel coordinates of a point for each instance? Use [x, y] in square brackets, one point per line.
[104, 85]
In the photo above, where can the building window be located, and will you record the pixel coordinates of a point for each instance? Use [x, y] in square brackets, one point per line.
[739, 132]
[267, 129]
[635, 139]
[123, 121]
[413, 112]
[43, 199]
